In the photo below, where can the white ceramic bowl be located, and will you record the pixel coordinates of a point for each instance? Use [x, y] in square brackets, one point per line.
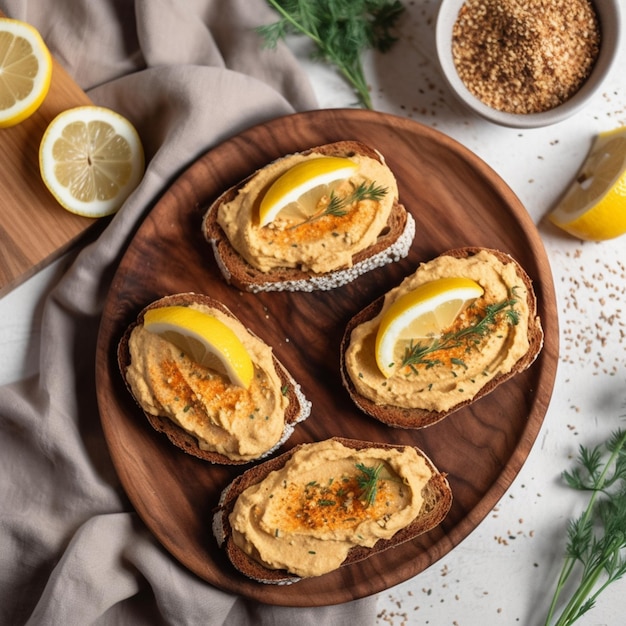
[609, 16]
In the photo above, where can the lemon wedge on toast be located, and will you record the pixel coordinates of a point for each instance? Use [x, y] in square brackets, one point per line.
[304, 178]
[421, 314]
[205, 339]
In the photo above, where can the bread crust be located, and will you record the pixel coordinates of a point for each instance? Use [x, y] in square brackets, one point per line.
[401, 417]
[298, 409]
[437, 502]
[392, 244]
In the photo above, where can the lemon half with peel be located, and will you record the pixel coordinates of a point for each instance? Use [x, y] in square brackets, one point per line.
[205, 339]
[422, 313]
[25, 71]
[91, 159]
[300, 180]
[594, 207]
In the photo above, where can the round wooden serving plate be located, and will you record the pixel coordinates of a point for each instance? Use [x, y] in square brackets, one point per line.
[457, 200]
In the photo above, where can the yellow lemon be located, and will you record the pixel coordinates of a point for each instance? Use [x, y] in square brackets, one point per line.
[300, 185]
[205, 339]
[594, 207]
[25, 71]
[91, 159]
[423, 313]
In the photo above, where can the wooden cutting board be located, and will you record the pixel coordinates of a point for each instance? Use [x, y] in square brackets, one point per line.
[34, 229]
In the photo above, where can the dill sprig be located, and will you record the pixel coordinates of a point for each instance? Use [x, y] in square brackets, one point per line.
[597, 539]
[368, 482]
[341, 31]
[363, 191]
[468, 337]
[339, 206]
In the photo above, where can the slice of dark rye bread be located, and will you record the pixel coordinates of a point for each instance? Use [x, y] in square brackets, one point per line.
[401, 417]
[392, 244]
[298, 409]
[437, 502]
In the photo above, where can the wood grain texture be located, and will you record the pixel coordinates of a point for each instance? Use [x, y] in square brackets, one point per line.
[34, 229]
[457, 200]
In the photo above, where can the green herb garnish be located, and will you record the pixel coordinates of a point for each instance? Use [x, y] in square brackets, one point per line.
[468, 337]
[368, 482]
[597, 539]
[341, 31]
[326, 502]
[339, 206]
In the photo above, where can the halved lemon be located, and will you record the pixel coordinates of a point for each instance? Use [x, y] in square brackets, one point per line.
[299, 182]
[25, 71]
[91, 159]
[423, 313]
[594, 207]
[205, 339]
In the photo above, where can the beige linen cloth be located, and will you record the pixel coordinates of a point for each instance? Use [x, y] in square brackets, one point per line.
[189, 74]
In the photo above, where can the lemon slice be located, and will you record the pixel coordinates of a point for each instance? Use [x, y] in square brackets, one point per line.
[423, 313]
[205, 339]
[91, 159]
[300, 181]
[594, 207]
[25, 71]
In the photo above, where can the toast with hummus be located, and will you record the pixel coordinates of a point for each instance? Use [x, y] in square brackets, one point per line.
[198, 408]
[322, 250]
[325, 505]
[498, 336]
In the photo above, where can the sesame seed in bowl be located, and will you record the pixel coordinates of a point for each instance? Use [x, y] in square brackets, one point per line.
[527, 64]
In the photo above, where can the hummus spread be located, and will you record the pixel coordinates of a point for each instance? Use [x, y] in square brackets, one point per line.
[320, 245]
[306, 516]
[453, 375]
[239, 423]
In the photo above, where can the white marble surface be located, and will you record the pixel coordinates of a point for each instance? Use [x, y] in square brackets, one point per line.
[504, 572]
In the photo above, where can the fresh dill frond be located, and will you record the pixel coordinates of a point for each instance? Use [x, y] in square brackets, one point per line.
[596, 541]
[363, 191]
[468, 337]
[341, 30]
[368, 482]
[340, 205]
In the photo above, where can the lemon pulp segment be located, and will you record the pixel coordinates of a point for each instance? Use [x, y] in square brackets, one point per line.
[300, 180]
[91, 159]
[594, 207]
[25, 71]
[205, 339]
[423, 313]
